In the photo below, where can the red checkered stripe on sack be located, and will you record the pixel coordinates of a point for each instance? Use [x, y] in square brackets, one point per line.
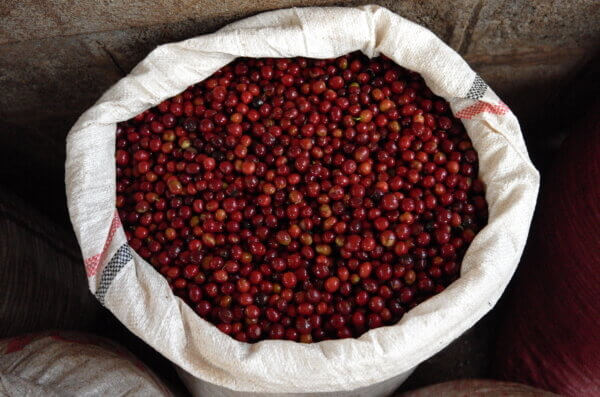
[477, 91]
[92, 263]
[482, 107]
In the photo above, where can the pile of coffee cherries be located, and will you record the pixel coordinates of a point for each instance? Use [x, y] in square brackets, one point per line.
[301, 199]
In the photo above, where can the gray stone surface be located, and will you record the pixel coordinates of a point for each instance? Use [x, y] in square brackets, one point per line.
[30, 19]
[51, 78]
[532, 28]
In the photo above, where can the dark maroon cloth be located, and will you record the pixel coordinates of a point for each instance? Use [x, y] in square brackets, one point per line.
[550, 337]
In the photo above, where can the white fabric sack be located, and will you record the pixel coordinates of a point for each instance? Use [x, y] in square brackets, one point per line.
[213, 363]
[58, 363]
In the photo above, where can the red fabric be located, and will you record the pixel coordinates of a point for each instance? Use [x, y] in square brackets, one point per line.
[482, 107]
[92, 263]
[551, 333]
[18, 343]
